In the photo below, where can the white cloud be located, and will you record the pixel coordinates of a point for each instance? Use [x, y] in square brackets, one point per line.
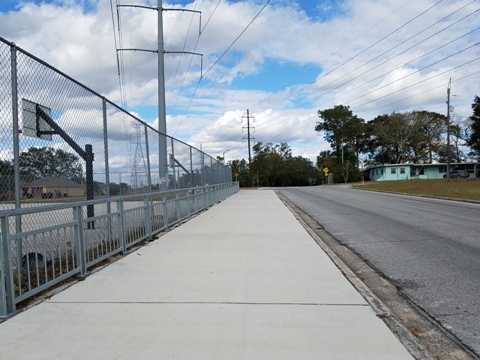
[357, 49]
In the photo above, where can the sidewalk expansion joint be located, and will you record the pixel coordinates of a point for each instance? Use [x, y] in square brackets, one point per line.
[207, 303]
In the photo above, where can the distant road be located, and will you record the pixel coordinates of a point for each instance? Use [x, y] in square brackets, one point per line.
[429, 248]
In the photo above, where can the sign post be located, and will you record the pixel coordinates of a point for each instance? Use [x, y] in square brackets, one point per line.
[325, 173]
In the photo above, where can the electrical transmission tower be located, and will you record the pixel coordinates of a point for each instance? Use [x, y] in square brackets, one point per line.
[139, 166]
[249, 137]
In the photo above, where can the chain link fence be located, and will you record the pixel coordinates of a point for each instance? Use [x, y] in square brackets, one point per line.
[82, 179]
[61, 141]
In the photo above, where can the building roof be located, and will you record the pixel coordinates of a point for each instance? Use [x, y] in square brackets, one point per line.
[60, 181]
[420, 165]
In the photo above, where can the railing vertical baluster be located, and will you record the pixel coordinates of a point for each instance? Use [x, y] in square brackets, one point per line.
[7, 303]
[189, 209]
[148, 216]
[121, 225]
[166, 221]
[177, 206]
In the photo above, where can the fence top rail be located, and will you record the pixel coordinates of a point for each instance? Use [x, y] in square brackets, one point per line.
[113, 199]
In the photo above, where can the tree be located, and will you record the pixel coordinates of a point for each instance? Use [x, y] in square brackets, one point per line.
[326, 159]
[426, 135]
[6, 168]
[240, 167]
[118, 189]
[274, 165]
[268, 161]
[459, 135]
[300, 171]
[474, 139]
[36, 163]
[434, 125]
[401, 137]
[6, 175]
[342, 129]
[393, 132]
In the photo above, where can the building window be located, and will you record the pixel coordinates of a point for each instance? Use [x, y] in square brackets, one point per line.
[402, 170]
[442, 169]
[393, 171]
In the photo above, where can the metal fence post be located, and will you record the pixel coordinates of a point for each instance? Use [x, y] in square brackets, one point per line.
[172, 159]
[105, 148]
[148, 217]
[121, 224]
[192, 179]
[202, 164]
[7, 302]
[79, 240]
[107, 167]
[195, 199]
[166, 220]
[147, 150]
[189, 208]
[204, 197]
[177, 206]
[16, 144]
[3, 280]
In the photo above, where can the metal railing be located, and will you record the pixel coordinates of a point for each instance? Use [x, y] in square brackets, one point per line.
[81, 179]
[71, 243]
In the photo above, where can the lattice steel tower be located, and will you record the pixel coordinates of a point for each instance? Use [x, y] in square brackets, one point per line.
[139, 166]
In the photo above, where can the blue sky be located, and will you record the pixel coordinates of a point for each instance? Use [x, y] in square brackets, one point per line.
[295, 58]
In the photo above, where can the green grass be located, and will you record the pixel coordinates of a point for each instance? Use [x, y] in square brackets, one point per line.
[455, 188]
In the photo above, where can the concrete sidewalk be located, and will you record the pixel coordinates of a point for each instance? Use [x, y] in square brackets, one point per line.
[243, 280]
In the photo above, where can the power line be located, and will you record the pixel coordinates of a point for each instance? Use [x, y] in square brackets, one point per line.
[309, 95]
[378, 77]
[331, 55]
[238, 37]
[361, 52]
[221, 56]
[389, 94]
[211, 15]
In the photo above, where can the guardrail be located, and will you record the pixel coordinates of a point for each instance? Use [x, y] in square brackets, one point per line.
[45, 254]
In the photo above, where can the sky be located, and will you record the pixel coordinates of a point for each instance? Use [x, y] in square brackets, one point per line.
[283, 61]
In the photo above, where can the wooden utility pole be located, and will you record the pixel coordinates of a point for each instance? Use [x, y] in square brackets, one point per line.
[448, 129]
[248, 137]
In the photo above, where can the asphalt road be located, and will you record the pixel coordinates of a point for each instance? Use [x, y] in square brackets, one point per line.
[429, 248]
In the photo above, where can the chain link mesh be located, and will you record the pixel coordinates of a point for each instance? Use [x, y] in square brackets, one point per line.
[127, 154]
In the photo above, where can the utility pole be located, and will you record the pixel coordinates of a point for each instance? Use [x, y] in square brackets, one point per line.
[162, 112]
[448, 129]
[248, 137]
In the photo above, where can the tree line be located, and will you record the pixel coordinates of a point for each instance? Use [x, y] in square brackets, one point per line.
[400, 137]
[274, 165]
[40, 162]
[396, 138]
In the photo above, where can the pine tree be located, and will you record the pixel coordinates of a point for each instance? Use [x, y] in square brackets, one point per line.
[474, 141]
